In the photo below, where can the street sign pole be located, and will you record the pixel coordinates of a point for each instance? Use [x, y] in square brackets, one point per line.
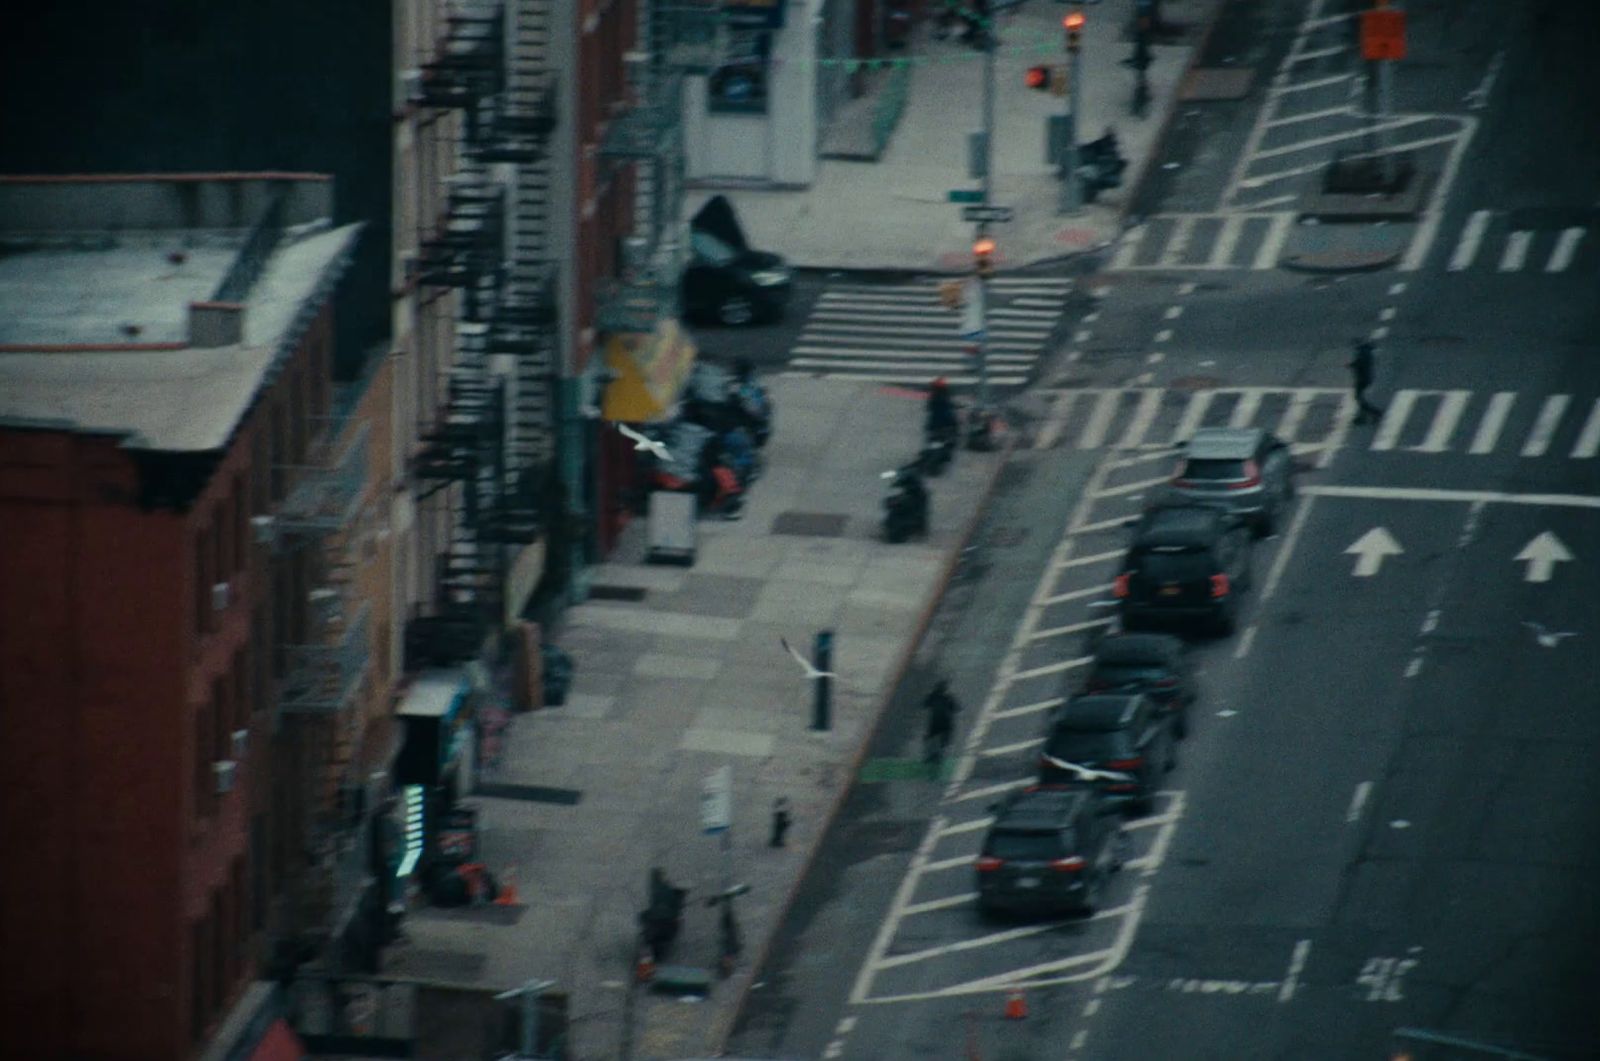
[1071, 195]
[988, 38]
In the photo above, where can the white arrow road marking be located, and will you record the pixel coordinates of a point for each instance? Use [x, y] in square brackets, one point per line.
[1542, 554]
[1370, 550]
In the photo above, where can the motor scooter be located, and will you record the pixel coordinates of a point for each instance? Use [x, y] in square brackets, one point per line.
[905, 506]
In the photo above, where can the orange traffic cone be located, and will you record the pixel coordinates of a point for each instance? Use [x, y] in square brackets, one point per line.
[1016, 1005]
[645, 969]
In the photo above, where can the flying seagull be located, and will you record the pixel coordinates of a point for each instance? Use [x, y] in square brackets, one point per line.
[811, 672]
[1084, 773]
[1547, 638]
[644, 442]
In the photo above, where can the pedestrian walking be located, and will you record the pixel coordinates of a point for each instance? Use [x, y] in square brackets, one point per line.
[942, 709]
[1361, 368]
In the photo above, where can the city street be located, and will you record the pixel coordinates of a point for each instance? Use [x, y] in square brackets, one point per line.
[1382, 827]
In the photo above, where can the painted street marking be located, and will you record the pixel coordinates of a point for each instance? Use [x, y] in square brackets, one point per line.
[1094, 432]
[1071, 628]
[1052, 668]
[1104, 525]
[1516, 252]
[1246, 639]
[1123, 489]
[1078, 594]
[1129, 247]
[1545, 426]
[1193, 415]
[1358, 801]
[1377, 129]
[1311, 116]
[1307, 86]
[1408, 493]
[1227, 240]
[1589, 438]
[1384, 977]
[846, 1026]
[1001, 750]
[1297, 962]
[1414, 668]
[1245, 410]
[1566, 247]
[1290, 539]
[928, 907]
[924, 378]
[1057, 420]
[1030, 709]
[969, 826]
[1494, 418]
[972, 943]
[1094, 558]
[1387, 313]
[1542, 554]
[1445, 421]
[1272, 244]
[1397, 287]
[1144, 415]
[992, 790]
[1478, 97]
[1433, 216]
[1394, 419]
[1177, 243]
[1173, 312]
[1371, 549]
[1467, 246]
[1164, 335]
[1194, 986]
[1293, 416]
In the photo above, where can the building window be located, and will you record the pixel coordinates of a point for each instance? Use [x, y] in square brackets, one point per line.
[739, 84]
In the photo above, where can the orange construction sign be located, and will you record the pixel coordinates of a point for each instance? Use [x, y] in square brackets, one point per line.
[1383, 33]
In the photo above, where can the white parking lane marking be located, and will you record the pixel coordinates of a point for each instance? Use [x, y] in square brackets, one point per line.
[1544, 428]
[1178, 243]
[1589, 438]
[971, 825]
[950, 863]
[1297, 963]
[1566, 247]
[1079, 594]
[1290, 539]
[999, 750]
[1052, 668]
[1516, 252]
[1093, 558]
[972, 943]
[927, 907]
[1138, 486]
[1494, 419]
[992, 790]
[1029, 709]
[1358, 800]
[1246, 639]
[1103, 525]
[1070, 628]
[1467, 245]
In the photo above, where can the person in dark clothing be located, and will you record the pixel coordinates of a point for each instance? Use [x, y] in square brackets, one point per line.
[1361, 369]
[942, 709]
[941, 417]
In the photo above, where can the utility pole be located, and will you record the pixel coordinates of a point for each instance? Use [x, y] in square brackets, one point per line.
[981, 345]
[1071, 193]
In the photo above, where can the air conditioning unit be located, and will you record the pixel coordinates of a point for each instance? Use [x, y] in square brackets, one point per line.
[241, 743]
[221, 596]
[226, 770]
[266, 529]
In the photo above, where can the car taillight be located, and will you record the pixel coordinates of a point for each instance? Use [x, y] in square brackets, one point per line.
[988, 864]
[1166, 683]
[1119, 585]
[1126, 764]
[1252, 477]
[1068, 865]
[1219, 585]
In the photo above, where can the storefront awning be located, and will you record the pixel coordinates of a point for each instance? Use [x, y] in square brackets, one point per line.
[650, 369]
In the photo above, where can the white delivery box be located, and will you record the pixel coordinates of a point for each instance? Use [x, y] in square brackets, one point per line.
[672, 527]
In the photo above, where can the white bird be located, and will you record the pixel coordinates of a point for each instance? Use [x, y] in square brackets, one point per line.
[1085, 773]
[589, 412]
[644, 442]
[1548, 638]
[811, 671]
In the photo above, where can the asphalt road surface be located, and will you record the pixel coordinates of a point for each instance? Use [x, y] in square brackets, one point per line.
[1382, 834]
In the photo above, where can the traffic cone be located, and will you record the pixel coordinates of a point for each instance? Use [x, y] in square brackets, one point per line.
[645, 969]
[1016, 1005]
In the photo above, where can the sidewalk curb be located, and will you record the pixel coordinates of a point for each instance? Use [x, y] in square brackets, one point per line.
[719, 1040]
[1142, 174]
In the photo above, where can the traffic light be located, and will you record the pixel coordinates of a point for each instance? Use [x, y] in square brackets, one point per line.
[1073, 23]
[983, 256]
[1037, 78]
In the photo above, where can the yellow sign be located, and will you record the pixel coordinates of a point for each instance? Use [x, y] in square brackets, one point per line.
[650, 369]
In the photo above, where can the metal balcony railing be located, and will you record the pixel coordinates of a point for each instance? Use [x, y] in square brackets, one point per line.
[325, 492]
[469, 64]
[324, 679]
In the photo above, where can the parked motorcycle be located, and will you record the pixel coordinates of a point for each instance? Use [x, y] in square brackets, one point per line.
[939, 447]
[905, 506]
[1100, 165]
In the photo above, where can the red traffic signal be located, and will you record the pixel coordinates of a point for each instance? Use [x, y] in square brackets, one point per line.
[983, 255]
[1074, 21]
[1037, 78]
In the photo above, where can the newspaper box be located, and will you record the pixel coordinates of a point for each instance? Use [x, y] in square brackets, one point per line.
[672, 527]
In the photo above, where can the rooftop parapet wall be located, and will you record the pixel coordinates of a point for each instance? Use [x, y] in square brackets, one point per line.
[46, 206]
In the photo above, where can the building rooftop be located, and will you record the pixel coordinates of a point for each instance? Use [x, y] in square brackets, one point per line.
[124, 331]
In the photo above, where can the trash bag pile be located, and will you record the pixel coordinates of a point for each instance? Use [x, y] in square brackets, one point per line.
[714, 444]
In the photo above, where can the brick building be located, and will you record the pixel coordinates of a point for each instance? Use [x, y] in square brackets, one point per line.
[188, 696]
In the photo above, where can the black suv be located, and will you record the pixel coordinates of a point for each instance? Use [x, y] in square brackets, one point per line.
[1050, 849]
[1186, 563]
[1124, 735]
[1156, 665]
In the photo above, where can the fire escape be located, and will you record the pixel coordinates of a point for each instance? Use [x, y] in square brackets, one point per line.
[320, 693]
[676, 37]
[491, 443]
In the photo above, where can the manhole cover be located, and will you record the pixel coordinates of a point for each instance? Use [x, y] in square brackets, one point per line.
[810, 524]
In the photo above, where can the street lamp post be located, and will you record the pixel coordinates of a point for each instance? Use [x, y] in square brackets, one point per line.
[1071, 193]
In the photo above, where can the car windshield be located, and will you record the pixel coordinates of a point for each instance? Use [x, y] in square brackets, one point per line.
[1213, 470]
[710, 249]
[1085, 747]
[1025, 847]
[1124, 673]
[1175, 567]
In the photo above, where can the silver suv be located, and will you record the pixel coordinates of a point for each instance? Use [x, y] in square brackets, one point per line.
[1243, 469]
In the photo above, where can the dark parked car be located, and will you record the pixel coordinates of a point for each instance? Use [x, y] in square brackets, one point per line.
[1244, 469]
[1156, 665]
[1187, 563]
[1051, 849]
[726, 280]
[1120, 733]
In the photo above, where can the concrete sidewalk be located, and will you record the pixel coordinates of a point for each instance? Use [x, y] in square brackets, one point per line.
[688, 677]
[894, 213]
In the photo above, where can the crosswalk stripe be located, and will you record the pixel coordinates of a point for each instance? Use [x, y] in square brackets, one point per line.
[851, 314]
[1044, 282]
[1471, 236]
[1588, 443]
[1245, 411]
[912, 377]
[844, 302]
[1444, 422]
[1272, 243]
[871, 329]
[1227, 240]
[1494, 418]
[1193, 414]
[1544, 428]
[1172, 253]
[1094, 432]
[1143, 416]
[1129, 247]
[1025, 300]
[1293, 417]
[886, 365]
[1566, 247]
[1394, 419]
[1057, 420]
[1516, 251]
[955, 356]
